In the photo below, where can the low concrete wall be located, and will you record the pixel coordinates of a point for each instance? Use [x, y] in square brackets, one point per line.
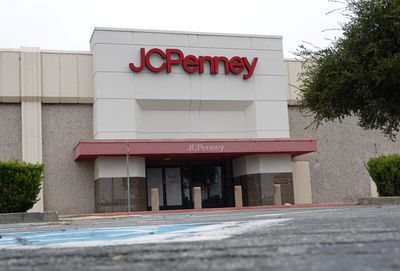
[379, 200]
[11, 218]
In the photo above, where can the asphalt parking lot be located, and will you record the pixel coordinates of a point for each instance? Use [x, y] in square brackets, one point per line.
[340, 238]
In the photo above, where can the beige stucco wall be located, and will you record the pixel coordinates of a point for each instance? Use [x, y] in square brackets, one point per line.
[30, 77]
[292, 69]
[67, 77]
[68, 185]
[63, 76]
[337, 169]
[10, 131]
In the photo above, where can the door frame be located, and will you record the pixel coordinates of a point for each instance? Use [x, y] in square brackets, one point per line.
[189, 164]
[165, 205]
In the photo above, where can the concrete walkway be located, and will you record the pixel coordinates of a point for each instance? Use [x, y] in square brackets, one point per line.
[141, 213]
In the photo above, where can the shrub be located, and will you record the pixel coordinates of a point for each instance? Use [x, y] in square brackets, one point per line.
[20, 184]
[385, 172]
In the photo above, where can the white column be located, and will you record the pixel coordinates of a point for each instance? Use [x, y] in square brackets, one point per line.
[31, 111]
[302, 182]
[374, 189]
[31, 132]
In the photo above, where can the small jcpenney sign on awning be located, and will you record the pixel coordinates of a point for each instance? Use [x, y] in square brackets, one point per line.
[192, 149]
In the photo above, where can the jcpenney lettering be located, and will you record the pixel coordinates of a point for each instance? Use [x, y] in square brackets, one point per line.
[205, 148]
[194, 64]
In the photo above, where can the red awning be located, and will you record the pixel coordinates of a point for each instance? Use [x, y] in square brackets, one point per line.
[188, 149]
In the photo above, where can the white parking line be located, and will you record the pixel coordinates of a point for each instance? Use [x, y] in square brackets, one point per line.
[295, 213]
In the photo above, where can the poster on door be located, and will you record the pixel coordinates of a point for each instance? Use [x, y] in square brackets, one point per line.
[154, 179]
[173, 186]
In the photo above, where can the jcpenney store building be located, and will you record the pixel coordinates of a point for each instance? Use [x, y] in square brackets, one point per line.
[174, 110]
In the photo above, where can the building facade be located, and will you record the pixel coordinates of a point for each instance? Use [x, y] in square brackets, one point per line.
[174, 110]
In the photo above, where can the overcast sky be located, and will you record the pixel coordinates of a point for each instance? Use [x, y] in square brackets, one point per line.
[68, 24]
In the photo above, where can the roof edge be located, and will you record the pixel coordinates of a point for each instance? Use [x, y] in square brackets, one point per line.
[99, 28]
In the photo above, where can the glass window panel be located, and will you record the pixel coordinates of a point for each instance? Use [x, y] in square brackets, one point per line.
[154, 180]
[215, 183]
[173, 186]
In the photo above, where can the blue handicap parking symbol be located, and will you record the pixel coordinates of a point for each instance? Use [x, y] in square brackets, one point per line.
[45, 238]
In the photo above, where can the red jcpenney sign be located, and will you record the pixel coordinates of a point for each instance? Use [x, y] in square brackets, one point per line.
[194, 64]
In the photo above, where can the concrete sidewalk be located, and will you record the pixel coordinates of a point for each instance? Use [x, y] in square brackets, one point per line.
[141, 213]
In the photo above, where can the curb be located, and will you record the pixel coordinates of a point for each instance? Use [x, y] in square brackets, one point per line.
[378, 200]
[265, 207]
[11, 218]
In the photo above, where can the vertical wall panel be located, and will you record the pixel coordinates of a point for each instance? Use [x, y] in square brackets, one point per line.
[69, 78]
[51, 78]
[10, 77]
[293, 71]
[85, 80]
[1, 76]
[31, 111]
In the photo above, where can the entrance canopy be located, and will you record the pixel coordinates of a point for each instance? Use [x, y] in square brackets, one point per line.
[192, 149]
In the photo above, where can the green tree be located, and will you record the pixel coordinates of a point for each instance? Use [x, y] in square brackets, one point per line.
[359, 73]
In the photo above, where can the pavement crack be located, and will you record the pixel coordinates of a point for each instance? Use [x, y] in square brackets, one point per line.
[22, 241]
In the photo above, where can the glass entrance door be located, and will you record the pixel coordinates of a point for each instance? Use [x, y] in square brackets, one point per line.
[155, 180]
[173, 186]
[175, 182]
[169, 184]
[209, 178]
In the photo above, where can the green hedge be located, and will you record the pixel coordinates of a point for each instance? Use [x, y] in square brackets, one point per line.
[385, 172]
[20, 185]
